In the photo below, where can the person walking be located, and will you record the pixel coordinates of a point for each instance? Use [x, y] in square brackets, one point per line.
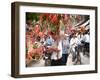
[65, 48]
[73, 46]
[56, 51]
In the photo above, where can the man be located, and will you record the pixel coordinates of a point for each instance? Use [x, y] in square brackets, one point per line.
[49, 40]
[73, 46]
[86, 41]
[48, 53]
[65, 48]
[56, 51]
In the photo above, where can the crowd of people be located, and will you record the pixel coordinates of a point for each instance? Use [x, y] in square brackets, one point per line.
[54, 49]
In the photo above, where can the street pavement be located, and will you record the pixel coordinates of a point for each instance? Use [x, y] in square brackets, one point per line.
[84, 60]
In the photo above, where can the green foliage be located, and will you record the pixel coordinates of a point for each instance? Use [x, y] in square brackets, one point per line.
[32, 16]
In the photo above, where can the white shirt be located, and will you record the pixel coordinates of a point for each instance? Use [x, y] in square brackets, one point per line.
[74, 42]
[58, 55]
[86, 38]
[80, 37]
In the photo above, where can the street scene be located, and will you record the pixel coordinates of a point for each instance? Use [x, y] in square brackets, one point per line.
[54, 39]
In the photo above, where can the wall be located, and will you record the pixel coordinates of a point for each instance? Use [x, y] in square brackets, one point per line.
[5, 40]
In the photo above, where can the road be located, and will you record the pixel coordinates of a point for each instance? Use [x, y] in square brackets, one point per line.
[84, 60]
